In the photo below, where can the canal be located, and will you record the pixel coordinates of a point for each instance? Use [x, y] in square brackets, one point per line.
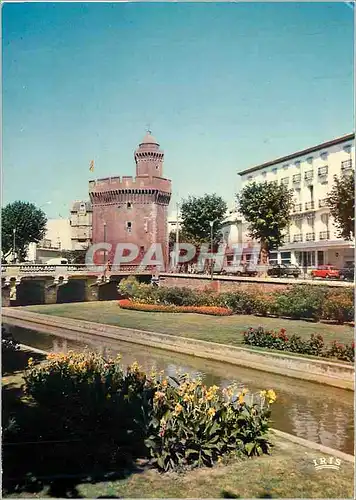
[312, 411]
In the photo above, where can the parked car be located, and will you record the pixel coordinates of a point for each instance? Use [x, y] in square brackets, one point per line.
[347, 273]
[325, 272]
[279, 270]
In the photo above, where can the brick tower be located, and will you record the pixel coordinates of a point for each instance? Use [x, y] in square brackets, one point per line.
[133, 210]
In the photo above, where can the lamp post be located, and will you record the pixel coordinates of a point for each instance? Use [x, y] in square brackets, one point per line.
[177, 239]
[105, 242]
[211, 246]
[14, 244]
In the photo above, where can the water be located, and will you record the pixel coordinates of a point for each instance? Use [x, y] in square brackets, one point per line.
[312, 411]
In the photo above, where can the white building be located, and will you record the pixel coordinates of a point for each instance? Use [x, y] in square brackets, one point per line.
[312, 239]
[57, 239]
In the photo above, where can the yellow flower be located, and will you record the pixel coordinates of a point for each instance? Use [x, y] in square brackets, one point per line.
[219, 460]
[135, 366]
[108, 396]
[164, 383]
[30, 361]
[263, 394]
[241, 399]
[271, 395]
[178, 408]
[211, 412]
[159, 395]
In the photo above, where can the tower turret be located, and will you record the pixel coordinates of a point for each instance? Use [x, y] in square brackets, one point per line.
[149, 157]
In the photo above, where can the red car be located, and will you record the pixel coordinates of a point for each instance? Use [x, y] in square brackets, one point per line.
[326, 272]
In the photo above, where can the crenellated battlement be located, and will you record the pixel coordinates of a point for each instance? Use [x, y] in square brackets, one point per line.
[109, 184]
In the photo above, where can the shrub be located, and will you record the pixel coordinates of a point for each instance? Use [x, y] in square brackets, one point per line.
[182, 423]
[343, 352]
[137, 306]
[262, 338]
[193, 425]
[339, 306]
[301, 301]
[313, 346]
[239, 302]
[264, 304]
[92, 393]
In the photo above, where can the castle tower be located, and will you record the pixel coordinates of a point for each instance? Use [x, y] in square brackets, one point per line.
[133, 210]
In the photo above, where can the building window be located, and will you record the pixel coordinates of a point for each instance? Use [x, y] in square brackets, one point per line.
[273, 258]
[128, 227]
[347, 148]
[310, 159]
[323, 171]
[250, 177]
[285, 257]
[274, 170]
[264, 173]
[297, 164]
[285, 167]
[324, 156]
[129, 204]
[285, 181]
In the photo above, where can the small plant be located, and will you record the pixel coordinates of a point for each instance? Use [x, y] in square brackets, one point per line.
[8, 343]
[194, 425]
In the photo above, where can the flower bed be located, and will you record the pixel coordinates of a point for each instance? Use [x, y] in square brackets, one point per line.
[176, 423]
[299, 301]
[314, 346]
[137, 306]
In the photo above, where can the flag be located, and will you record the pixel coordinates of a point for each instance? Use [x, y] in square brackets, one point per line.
[91, 168]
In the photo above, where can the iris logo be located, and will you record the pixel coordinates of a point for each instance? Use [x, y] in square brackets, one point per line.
[327, 463]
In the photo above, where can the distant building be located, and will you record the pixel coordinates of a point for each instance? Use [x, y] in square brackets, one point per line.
[312, 237]
[172, 222]
[57, 239]
[81, 220]
[133, 209]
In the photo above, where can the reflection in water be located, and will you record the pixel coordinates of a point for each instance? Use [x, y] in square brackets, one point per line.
[316, 412]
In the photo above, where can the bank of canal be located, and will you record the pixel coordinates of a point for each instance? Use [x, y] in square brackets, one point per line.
[319, 413]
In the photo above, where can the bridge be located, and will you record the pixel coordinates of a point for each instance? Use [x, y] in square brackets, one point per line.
[41, 283]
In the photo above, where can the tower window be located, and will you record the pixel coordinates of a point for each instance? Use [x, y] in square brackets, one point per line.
[129, 204]
[128, 226]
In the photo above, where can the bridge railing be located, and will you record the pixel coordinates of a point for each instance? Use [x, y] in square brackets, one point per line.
[43, 269]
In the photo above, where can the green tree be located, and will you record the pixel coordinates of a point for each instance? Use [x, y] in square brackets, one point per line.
[341, 202]
[197, 213]
[266, 207]
[74, 256]
[29, 223]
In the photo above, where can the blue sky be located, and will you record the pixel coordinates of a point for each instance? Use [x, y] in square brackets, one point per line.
[224, 86]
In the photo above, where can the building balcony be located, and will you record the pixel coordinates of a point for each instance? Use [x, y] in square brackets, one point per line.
[308, 176]
[296, 178]
[297, 238]
[297, 207]
[285, 181]
[310, 237]
[324, 235]
[346, 165]
[323, 203]
[323, 171]
[309, 205]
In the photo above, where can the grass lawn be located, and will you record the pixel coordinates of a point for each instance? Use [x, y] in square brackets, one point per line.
[224, 330]
[287, 473]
